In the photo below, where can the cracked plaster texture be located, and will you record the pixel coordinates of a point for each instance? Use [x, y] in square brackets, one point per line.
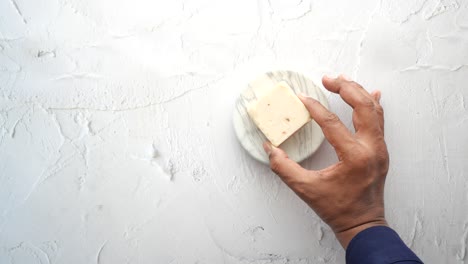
[116, 143]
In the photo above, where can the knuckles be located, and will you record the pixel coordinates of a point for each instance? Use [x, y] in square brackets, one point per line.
[330, 118]
[379, 109]
[363, 157]
[275, 164]
[367, 102]
[382, 159]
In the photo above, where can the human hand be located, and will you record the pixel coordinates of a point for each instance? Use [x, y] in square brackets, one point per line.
[348, 195]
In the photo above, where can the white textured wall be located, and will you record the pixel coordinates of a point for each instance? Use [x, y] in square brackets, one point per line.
[116, 143]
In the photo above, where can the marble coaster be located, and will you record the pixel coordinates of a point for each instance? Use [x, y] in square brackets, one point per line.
[301, 144]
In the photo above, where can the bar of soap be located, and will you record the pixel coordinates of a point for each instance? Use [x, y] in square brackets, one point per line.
[279, 113]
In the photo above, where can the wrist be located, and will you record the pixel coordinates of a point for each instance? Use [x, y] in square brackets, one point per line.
[345, 236]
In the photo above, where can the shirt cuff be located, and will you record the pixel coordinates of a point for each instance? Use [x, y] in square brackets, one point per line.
[379, 244]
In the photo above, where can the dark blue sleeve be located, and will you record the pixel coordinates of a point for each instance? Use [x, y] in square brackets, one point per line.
[379, 245]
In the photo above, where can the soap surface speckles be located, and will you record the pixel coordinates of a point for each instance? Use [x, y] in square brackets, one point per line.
[279, 113]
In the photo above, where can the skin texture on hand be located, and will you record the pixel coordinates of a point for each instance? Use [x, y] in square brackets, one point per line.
[348, 195]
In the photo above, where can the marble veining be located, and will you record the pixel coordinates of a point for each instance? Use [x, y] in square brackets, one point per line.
[301, 144]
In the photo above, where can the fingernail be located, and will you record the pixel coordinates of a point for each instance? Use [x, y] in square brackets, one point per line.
[346, 77]
[303, 96]
[267, 147]
[329, 76]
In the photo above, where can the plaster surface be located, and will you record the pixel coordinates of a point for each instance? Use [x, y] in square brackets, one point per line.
[116, 138]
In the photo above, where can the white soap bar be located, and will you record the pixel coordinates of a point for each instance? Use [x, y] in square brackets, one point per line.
[279, 113]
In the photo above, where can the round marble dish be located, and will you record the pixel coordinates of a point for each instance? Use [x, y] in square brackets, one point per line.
[301, 144]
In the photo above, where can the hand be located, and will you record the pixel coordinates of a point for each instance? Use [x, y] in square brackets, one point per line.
[348, 195]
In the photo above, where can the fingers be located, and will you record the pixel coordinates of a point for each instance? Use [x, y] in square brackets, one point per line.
[363, 103]
[289, 171]
[376, 95]
[350, 91]
[334, 130]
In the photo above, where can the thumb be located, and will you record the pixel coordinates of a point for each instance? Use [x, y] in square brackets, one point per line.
[288, 170]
